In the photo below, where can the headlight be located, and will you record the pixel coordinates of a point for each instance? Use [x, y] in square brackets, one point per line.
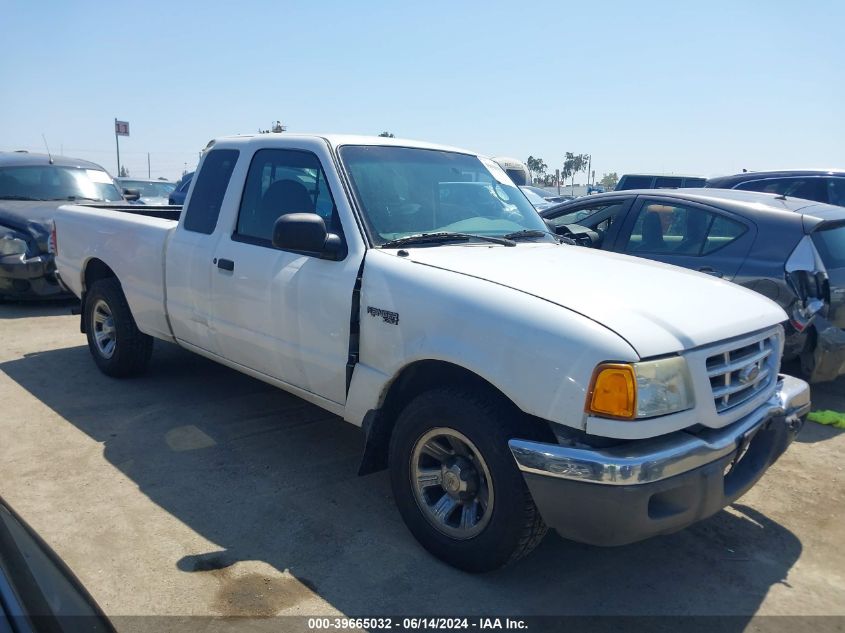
[12, 246]
[640, 390]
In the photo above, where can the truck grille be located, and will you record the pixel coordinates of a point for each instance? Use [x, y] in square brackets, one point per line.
[739, 374]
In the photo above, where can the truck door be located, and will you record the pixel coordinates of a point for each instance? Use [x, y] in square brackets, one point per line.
[188, 266]
[285, 314]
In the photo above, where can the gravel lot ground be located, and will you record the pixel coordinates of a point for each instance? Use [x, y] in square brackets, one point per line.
[197, 490]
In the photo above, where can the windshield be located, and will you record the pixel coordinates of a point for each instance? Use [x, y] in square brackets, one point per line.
[405, 191]
[52, 182]
[149, 189]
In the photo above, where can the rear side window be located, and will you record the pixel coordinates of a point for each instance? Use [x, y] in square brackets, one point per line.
[212, 180]
[831, 246]
[807, 188]
[668, 182]
[694, 182]
[635, 182]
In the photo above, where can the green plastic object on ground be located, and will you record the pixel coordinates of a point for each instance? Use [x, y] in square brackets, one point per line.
[831, 418]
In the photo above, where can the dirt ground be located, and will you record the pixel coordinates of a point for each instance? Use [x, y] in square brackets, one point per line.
[197, 490]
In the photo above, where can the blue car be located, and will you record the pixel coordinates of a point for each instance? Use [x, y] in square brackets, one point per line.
[177, 196]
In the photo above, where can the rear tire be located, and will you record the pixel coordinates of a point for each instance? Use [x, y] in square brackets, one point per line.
[443, 500]
[119, 348]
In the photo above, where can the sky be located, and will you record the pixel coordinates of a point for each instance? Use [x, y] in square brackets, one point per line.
[703, 88]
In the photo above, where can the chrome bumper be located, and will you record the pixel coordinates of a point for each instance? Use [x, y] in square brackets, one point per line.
[652, 460]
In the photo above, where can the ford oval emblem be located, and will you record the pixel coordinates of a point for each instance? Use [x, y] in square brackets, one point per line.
[748, 374]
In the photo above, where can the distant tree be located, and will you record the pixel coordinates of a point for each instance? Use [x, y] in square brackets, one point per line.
[608, 181]
[573, 164]
[387, 134]
[536, 167]
[124, 173]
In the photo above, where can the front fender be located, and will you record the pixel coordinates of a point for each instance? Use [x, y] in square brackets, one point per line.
[539, 355]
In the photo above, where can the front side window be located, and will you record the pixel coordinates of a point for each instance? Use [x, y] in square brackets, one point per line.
[212, 181]
[609, 211]
[54, 182]
[282, 181]
[680, 230]
[404, 191]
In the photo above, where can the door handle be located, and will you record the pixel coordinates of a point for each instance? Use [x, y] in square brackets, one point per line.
[225, 264]
[711, 271]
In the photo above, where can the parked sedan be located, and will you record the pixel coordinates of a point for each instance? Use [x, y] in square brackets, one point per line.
[790, 250]
[32, 186]
[821, 185]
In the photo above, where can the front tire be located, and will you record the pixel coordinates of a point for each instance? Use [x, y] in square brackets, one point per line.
[119, 348]
[456, 483]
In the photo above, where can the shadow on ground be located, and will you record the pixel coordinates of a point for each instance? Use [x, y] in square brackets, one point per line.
[271, 478]
[10, 309]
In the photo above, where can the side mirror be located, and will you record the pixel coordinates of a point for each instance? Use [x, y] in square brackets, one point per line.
[306, 233]
[132, 194]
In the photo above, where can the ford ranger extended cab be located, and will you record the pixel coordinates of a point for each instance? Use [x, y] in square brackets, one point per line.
[508, 381]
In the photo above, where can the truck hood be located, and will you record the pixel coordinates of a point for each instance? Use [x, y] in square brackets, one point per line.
[657, 308]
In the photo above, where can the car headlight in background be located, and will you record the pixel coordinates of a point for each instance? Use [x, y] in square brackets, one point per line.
[10, 245]
[629, 391]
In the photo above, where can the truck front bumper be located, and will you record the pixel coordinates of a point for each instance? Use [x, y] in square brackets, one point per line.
[639, 489]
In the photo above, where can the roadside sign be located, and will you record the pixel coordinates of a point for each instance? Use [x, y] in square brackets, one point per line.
[121, 128]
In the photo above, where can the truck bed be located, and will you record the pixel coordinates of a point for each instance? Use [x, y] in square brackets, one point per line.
[164, 212]
[131, 241]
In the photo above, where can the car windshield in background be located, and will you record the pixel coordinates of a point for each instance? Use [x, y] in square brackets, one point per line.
[404, 191]
[52, 182]
[149, 189]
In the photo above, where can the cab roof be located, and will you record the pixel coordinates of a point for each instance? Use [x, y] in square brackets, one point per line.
[338, 140]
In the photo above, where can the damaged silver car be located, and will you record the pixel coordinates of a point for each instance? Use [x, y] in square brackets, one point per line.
[32, 187]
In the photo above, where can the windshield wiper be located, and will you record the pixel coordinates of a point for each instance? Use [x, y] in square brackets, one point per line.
[26, 198]
[444, 236]
[528, 233]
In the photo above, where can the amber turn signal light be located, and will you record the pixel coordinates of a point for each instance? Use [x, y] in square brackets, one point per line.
[613, 391]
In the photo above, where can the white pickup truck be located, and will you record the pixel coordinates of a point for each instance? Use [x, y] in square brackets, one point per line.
[508, 381]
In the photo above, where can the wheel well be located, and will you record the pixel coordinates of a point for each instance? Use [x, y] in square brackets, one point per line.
[95, 270]
[418, 378]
